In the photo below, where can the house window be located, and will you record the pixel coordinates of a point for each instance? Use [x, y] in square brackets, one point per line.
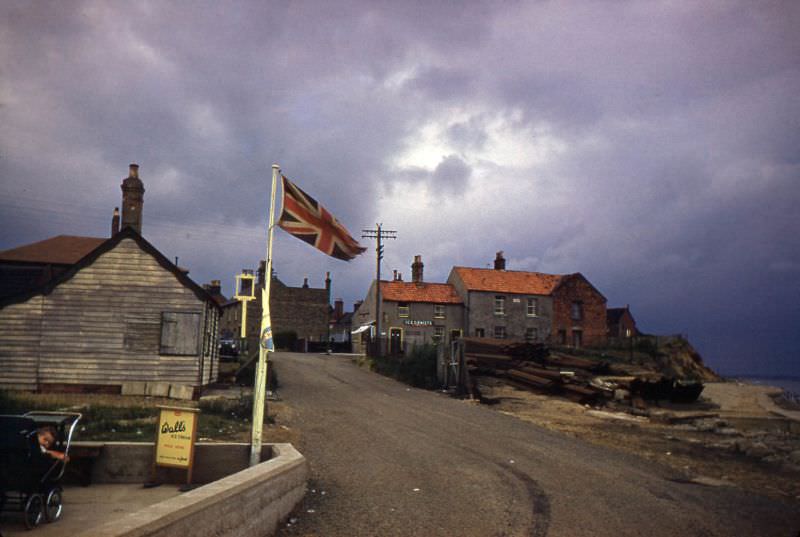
[479, 332]
[438, 333]
[576, 311]
[180, 333]
[499, 305]
[532, 308]
[500, 332]
[402, 309]
[531, 334]
[438, 311]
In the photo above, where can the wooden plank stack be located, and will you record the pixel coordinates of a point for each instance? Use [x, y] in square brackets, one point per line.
[535, 367]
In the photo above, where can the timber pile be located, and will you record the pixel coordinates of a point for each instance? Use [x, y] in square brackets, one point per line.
[534, 367]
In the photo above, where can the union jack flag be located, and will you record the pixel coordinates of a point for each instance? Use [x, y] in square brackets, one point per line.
[306, 219]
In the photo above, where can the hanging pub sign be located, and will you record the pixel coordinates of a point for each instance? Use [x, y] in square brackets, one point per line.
[175, 438]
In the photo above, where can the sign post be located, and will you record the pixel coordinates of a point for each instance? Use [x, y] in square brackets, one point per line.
[175, 438]
[245, 292]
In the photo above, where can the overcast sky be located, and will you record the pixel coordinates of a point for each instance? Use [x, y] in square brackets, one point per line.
[652, 146]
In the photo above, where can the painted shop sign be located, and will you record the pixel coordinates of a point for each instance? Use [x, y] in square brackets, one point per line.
[411, 322]
[177, 430]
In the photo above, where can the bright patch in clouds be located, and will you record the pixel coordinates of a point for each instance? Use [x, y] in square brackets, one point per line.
[509, 142]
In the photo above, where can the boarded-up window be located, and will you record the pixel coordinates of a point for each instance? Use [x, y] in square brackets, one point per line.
[141, 335]
[180, 333]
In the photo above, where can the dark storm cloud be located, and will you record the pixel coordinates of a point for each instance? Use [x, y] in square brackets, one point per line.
[671, 178]
[452, 173]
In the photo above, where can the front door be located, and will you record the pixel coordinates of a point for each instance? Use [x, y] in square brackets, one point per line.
[577, 338]
[395, 340]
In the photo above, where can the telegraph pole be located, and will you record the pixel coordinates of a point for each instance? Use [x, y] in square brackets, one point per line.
[378, 234]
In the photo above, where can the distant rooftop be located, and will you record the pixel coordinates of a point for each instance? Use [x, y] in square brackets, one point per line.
[59, 250]
[438, 293]
[508, 281]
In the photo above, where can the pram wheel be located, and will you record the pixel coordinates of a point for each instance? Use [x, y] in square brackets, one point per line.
[52, 506]
[34, 511]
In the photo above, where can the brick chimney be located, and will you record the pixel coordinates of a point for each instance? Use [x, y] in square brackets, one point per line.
[416, 269]
[500, 261]
[338, 308]
[262, 272]
[132, 199]
[394, 275]
[215, 287]
[115, 222]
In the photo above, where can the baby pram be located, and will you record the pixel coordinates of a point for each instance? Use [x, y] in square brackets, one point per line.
[29, 478]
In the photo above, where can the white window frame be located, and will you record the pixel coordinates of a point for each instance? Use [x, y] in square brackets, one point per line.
[532, 304]
[499, 305]
[403, 310]
[438, 311]
[502, 332]
[438, 334]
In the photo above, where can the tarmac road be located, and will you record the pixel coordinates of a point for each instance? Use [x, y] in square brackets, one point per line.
[394, 460]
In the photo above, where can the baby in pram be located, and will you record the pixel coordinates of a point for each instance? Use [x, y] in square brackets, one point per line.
[47, 439]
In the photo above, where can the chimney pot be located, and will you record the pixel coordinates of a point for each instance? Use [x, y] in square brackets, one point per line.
[305, 283]
[115, 222]
[133, 171]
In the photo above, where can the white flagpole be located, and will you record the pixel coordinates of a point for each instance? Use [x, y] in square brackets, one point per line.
[265, 344]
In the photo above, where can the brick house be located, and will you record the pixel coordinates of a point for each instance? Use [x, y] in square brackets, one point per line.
[621, 323]
[303, 310]
[412, 313]
[341, 322]
[534, 306]
[579, 312]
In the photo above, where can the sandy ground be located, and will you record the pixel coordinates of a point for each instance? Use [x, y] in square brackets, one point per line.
[86, 507]
[710, 449]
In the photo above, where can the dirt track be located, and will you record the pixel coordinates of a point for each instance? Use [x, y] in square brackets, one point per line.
[398, 461]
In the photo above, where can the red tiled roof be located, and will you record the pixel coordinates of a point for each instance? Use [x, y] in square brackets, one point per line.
[438, 293]
[508, 281]
[60, 250]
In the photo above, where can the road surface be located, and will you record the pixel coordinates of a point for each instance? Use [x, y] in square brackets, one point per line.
[391, 460]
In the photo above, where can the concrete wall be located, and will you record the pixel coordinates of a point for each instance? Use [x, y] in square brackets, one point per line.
[131, 462]
[250, 502]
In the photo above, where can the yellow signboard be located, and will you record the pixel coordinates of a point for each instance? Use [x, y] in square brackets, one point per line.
[177, 430]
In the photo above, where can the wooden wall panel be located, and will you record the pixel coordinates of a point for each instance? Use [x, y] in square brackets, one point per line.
[103, 326]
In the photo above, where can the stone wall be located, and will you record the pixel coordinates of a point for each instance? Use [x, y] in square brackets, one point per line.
[515, 320]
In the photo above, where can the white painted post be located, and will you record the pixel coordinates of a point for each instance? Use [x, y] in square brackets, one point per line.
[265, 344]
